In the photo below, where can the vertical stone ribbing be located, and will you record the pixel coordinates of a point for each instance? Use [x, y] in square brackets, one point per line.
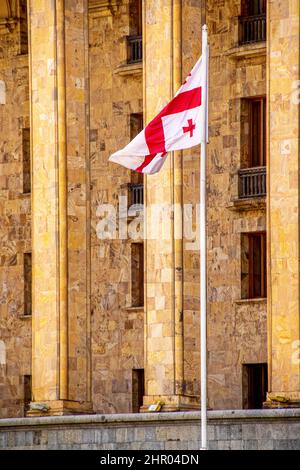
[164, 257]
[60, 200]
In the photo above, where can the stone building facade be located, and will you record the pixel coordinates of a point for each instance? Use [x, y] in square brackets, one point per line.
[111, 324]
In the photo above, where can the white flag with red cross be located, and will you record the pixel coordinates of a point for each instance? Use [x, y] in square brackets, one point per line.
[180, 125]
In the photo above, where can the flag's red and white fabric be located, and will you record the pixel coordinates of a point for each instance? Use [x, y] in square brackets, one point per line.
[180, 125]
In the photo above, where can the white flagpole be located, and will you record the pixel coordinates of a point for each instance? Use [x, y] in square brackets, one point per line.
[203, 284]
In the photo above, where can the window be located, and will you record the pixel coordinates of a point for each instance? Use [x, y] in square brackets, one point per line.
[136, 186]
[255, 385]
[27, 391]
[137, 274]
[253, 7]
[27, 284]
[136, 124]
[253, 132]
[252, 22]
[135, 48]
[23, 26]
[253, 265]
[252, 175]
[135, 17]
[137, 389]
[257, 132]
[26, 160]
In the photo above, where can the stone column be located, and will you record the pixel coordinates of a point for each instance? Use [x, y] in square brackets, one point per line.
[60, 206]
[164, 374]
[283, 204]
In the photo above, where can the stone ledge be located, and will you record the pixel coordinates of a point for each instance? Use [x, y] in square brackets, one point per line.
[248, 204]
[103, 7]
[25, 317]
[7, 25]
[259, 300]
[133, 309]
[125, 70]
[143, 418]
[247, 51]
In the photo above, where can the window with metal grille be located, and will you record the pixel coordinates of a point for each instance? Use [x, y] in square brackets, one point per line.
[252, 21]
[137, 274]
[134, 42]
[253, 265]
[255, 385]
[252, 176]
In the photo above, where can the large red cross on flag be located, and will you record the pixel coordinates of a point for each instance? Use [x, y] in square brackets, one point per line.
[180, 125]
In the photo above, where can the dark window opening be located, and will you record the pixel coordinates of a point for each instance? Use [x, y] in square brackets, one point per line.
[137, 274]
[255, 385]
[252, 21]
[26, 160]
[252, 175]
[253, 132]
[253, 7]
[134, 43]
[27, 284]
[136, 185]
[136, 126]
[23, 26]
[135, 17]
[257, 134]
[27, 391]
[253, 265]
[138, 389]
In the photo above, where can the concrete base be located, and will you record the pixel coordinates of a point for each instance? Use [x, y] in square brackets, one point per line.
[171, 403]
[282, 400]
[58, 408]
[227, 430]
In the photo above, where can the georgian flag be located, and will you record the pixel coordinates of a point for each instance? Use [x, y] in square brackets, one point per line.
[180, 125]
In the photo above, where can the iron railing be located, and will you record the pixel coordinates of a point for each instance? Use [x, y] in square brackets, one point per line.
[252, 182]
[136, 193]
[252, 29]
[135, 49]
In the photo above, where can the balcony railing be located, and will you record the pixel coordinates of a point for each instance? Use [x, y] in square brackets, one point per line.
[135, 49]
[252, 29]
[136, 193]
[252, 182]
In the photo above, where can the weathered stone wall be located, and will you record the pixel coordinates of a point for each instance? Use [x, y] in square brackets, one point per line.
[236, 331]
[15, 225]
[191, 50]
[115, 93]
[60, 202]
[227, 430]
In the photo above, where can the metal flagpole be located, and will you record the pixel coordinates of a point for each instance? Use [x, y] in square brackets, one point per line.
[203, 285]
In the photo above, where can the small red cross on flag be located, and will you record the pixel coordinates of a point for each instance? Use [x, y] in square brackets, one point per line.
[180, 125]
[190, 128]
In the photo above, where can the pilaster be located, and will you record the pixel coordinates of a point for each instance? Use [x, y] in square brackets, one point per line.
[60, 205]
[164, 348]
[283, 204]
